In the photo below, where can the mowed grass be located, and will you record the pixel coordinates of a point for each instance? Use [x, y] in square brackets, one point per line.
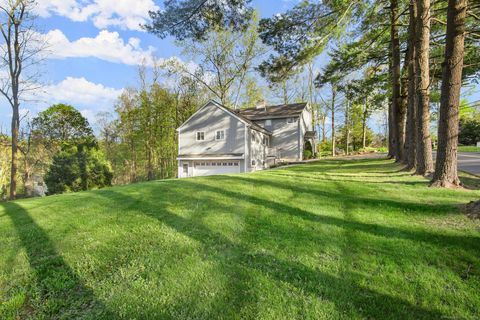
[468, 149]
[327, 240]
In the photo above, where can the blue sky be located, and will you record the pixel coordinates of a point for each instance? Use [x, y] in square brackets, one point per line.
[95, 49]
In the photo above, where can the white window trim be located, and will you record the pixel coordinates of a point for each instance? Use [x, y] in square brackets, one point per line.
[196, 135]
[220, 131]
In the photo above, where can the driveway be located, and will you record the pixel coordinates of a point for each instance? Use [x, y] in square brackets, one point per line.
[468, 162]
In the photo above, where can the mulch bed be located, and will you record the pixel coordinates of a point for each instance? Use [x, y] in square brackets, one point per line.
[472, 209]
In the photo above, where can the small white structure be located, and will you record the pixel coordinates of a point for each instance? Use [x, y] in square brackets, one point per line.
[36, 187]
[478, 144]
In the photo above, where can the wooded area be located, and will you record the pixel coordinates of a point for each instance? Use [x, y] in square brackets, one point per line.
[406, 59]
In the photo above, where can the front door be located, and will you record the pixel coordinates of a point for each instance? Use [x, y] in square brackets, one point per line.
[185, 170]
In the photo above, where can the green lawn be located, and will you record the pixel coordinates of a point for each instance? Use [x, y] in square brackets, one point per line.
[332, 239]
[468, 149]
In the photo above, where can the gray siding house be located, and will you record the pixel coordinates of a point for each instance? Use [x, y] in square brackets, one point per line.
[218, 140]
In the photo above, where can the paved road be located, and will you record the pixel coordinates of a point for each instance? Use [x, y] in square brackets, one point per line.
[468, 162]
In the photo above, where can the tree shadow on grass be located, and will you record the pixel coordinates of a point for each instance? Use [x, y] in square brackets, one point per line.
[328, 177]
[437, 239]
[470, 182]
[348, 296]
[58, 291]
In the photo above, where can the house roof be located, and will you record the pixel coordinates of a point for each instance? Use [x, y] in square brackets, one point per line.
[242, 118]
[270, 112]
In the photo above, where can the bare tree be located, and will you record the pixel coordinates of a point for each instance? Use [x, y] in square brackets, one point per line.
[332, 109]
[18, 52]
[223, 61]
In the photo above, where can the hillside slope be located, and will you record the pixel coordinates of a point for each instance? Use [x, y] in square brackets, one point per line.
[333, 239]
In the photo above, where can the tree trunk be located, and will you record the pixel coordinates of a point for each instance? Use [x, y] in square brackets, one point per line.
[364, 125]
[402, 117]
[391, 149]
[422, 46]
[324, 129]
[446, 166]
[411, 136]
[396, 118]
[333, 119]
[14, 164]
[347, 127]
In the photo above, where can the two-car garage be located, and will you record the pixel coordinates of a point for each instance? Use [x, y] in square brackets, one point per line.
[202, 167]
[208, 168]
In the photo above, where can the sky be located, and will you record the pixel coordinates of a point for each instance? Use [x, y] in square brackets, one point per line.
[95, 48]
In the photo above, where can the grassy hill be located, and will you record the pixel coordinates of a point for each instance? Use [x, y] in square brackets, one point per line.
[333, 239]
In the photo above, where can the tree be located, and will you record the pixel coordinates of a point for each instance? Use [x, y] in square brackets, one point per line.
[20, 50]
[469, 132]
[397, 135]
[446, 164]
[60, 124]
[223, 60]
[422, 45]
[411, 131]
[194, 19]
[78, 167]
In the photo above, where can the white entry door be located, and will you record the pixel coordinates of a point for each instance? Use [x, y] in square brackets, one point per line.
[208, 168]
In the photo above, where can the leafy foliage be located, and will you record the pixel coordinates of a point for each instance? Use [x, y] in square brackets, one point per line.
[469, 133]
[193, 19]
[78, 167]
[301, 34]
[61, 123]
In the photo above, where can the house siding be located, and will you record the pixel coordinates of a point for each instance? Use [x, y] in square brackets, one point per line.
[285, 138]
[209, 120]
[305, 125]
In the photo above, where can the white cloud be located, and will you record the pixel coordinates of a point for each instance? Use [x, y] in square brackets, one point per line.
[125, 14]
[106, 45]
[80, 92]
[86, 96]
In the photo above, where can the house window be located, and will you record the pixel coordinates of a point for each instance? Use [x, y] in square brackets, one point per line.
[291, 120]
[253, 162]
[253, 137]
[268, 123]
[220, 135]
[265, 141]
[200, 136]
[235, 164]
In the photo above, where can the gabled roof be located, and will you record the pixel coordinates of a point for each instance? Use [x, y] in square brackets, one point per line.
[270, 112]
[240, 117]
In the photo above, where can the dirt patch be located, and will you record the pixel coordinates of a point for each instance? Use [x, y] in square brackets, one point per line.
[472, 209]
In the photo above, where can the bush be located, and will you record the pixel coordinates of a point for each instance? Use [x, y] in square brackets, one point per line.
[78, 167]
[307, 154]
[469, 133]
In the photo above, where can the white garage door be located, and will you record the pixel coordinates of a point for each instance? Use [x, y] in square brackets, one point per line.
[208, 168]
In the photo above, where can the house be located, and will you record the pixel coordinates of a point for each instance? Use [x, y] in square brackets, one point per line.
[219, 140]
